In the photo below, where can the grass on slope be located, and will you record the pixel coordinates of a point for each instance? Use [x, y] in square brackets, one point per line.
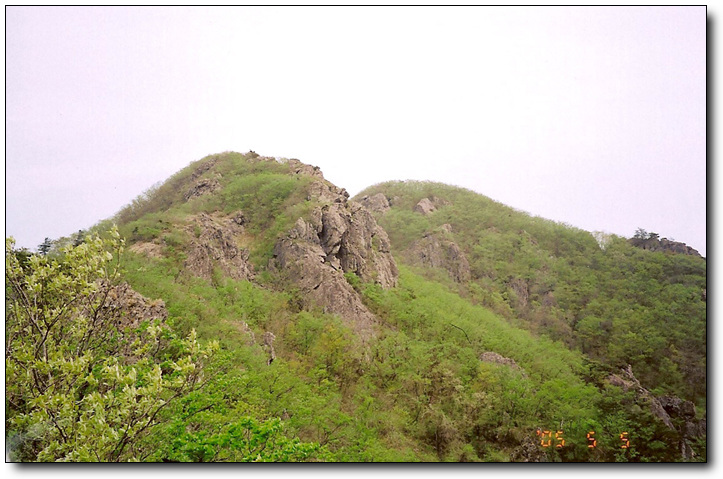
[616, 303]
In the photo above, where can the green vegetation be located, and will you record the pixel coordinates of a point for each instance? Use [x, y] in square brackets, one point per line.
[616, 303]
[83, 383]
[491, 369]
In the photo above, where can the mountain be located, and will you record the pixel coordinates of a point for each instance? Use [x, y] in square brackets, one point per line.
[415, 322]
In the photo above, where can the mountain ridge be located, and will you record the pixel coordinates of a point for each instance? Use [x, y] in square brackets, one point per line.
[416, 321]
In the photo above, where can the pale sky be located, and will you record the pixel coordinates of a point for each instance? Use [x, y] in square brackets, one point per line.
[594, 117]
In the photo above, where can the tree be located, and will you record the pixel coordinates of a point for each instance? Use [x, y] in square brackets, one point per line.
[44, 247]
[640, 233]
[78, 238]
[78, 387]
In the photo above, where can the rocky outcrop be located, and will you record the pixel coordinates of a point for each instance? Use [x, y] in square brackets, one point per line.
[149, 249]
[529, 451]
[376, 203]
[202, 187]
[269, 338]
[655, 244]
[677, 414]
[204, 167]
[128, 308]
[351, 241]
[424, 207]
[429, 205]
[299, 168]
[495, 358]
[325, 192]
[122, 311]
[302, 260]
[338, 237]
[244, 328]
[437, 250]
[521, 288]
[214, 246]
[627, 381]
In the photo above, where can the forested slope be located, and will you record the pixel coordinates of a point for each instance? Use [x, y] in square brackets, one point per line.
[616, 303]
[462, 332]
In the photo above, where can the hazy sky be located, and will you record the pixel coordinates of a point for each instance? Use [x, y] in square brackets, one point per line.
[591, 116]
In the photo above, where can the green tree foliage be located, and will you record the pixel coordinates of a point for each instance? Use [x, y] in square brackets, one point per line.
[77, 387]
[567, 306]
[596, 293]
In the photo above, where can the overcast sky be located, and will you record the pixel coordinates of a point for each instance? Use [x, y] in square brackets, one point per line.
[590, 116]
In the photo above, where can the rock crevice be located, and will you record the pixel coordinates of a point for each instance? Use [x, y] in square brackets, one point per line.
[338, 237]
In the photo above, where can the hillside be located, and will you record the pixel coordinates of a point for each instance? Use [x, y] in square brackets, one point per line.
[416, 322]
[596, 293]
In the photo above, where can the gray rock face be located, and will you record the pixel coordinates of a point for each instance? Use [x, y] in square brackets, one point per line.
[214, 245]
[677, 414]
[327, 193]
[339, 237]
[299, 168]
[529, 451]
[302, 260]
[521, 288]
[351, 241]
[128, 308]
[205, 166]
[424, 206]
[377, 203]
[655, 244]
[150, 249]
[435, 250]
[202, 187]
[269, 338]
[123, 310]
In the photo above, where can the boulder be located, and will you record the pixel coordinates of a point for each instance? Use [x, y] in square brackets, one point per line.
[677, 407]
[424, 206]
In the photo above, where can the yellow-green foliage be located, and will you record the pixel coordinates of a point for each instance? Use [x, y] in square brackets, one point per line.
[647, 308]
[78, 388]
[417, 390]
